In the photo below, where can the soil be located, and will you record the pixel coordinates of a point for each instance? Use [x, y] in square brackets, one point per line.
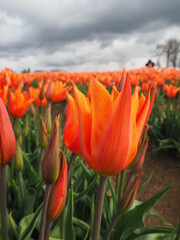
[166, 170]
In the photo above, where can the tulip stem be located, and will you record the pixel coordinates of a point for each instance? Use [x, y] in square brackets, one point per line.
[99, 208]
[62, 224]
[48, 229]
[114, 221]
[44, 211]
[3, 204]
[41, 160]
[121, 184]
[70, 163]
[19, 176]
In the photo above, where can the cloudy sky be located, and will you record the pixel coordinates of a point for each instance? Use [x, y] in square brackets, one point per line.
[84, 35]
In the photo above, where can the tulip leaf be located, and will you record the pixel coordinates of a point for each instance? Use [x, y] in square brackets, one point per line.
[69, 229]
[134, 218]
[144, 185]
[14, 225]
[80, 195]
[92, 215]
[81, 224]
[28, 223]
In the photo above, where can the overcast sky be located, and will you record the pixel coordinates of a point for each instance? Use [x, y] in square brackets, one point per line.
[84, 35]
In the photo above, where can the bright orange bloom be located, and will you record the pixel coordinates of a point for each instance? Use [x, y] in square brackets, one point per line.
[71, 128]
[34, 93]
[59, 91]
[171, 90]
[4, 94]
[110, 127]
[58, 193]
[8, 141]
[145, 87]
[19, 102]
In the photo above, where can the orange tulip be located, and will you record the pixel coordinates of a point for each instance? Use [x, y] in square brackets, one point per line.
[58, 193]
[4, 94]
[19, 103]
[8, 142]
[71, 130]
[171, 90]
[110, 127]
[59, 91]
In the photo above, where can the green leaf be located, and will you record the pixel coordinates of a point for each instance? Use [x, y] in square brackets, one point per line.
[83, 225]
[134, 218]
[144, 185]
[14, 225]
[80, 195]
[28, 223]
[69, 229]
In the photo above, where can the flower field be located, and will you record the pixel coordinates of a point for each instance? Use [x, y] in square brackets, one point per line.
[73, 146]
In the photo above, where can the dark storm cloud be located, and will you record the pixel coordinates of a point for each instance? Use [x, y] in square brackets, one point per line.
[44, 28]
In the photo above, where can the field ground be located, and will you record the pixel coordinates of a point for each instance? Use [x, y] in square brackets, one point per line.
[166, 170]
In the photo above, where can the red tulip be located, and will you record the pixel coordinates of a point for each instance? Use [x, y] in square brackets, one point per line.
[7, 138]
[58, 193]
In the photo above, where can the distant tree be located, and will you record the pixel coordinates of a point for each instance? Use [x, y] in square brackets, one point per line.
[171, 51]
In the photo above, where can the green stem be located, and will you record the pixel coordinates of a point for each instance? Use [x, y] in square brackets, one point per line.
[41, 160]
[44, 211]
[178, 233]
[118, 177]
[48, 229]
[99, 208]
[114, 221]
[3, 204]
[19, 175]
[62, 224]
[70, 163]
[121, 184]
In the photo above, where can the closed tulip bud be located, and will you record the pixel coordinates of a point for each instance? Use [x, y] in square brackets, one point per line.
[49, 92]
[26, 128]
[43, 134]
[8, 142]
[18, 164]
[42, 94]
[48, 119]
[19, 136]
[130, 194]
[51, 161]
[58, 193]
[143, 137]
[138, 161]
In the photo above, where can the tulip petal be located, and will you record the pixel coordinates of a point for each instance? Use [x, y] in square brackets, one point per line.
[85, 122]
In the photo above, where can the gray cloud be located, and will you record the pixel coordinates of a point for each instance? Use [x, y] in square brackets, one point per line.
[84, 33]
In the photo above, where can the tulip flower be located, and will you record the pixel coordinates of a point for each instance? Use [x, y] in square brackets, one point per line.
[59, 91]
[19, 102]
[58, 192]
[171, 90]
[110, 128]
[8, 142]
[4, 94]
[7, 152]
[51, 162]
[71, 129]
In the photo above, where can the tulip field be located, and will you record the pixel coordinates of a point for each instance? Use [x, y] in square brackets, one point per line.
[72, 150]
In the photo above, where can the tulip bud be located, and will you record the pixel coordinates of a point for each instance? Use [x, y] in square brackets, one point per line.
[48, 119]
[42, 94]
[138, 161]
[122, 81]
[43, 134]
[18, 164]
[49, 92]
[143, 137]
[19, 136]
[130, 194]
[58, 193]
[8, 142]
[26, 128]
[51, 162]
